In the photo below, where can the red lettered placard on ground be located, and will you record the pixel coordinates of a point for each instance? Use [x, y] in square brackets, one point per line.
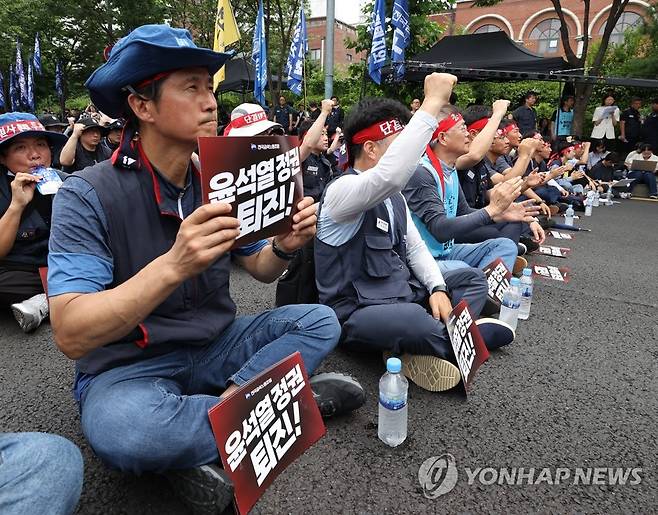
[467, 342]
[551, 272]
[498, 278]
[549, 250]
[260, 176]
[560, 235]
[265, 426]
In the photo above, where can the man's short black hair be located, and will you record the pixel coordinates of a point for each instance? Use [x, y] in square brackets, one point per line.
[636, 99]
[368, 112]
[612, 157]
[304, 127]
[333, 96]
[530, 94]
[568, 97]
[476, 112]
[565, 144]
[506, 122]
[313, 103]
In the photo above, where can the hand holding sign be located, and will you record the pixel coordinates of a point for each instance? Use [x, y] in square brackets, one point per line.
[202, 238]
[303, 227]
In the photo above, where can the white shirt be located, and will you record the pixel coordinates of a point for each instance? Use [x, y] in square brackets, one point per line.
[605, 129]
[348, 198]
[637, 156]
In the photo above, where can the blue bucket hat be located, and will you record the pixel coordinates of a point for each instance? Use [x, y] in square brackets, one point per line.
[145, 52]
[25, 124]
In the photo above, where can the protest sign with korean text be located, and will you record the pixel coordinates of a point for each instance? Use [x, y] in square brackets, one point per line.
[498, 279]
[260, 176]
[467, 343]
[551, 272]
[549, 250]
[264, 426]
[560, 235]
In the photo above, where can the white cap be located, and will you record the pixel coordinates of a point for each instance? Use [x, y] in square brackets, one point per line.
[249, 120]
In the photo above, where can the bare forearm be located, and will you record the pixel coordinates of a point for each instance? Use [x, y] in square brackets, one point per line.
[9, 228]
[480, 144]
[84, 322]
[265, 266]
[519, 168]
[67, 156]
[312, 136]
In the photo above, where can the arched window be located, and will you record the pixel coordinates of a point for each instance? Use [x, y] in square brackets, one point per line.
[547, 36]
[627, 20]
[489, 27]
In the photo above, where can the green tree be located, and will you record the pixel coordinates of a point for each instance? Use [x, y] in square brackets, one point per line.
[591, 58]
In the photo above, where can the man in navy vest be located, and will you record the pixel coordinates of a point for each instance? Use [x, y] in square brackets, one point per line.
[139, 278]
[371, 265]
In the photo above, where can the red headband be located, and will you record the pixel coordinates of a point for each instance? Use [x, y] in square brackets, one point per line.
[509, 128]
[447, 123]
[11, 129]
[478, 125]
[567, 150]
[155, 77]
[377, 132]
[247, 119]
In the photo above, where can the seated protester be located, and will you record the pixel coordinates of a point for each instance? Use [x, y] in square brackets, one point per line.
[52, 124]
[39, 473]
[604, 170]
[372, 266]
[139, 278]
[643, 153]
[440, 212]
[83, 147]
[597, 154]
[24, 216]
[113, 135]
[573, 179]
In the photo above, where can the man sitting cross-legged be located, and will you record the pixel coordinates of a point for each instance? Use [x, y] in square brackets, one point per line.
[372, 266]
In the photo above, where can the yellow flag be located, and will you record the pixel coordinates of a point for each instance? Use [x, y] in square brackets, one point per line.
[226, 32]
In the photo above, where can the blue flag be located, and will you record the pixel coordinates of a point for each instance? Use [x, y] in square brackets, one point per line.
[3, 102]
[298, 49]
[377, 56]
[59, 80]
[30, 87]
[401, 36]
[14, 90]
[20, 76]
[259, 57]
[37, 54]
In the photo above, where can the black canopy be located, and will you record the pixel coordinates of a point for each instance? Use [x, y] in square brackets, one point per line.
[490, 51]
[239, 77]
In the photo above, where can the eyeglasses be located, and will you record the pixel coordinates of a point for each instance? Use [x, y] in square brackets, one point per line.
[277, 130]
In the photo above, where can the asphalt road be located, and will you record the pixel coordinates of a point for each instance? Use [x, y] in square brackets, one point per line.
[578, 388]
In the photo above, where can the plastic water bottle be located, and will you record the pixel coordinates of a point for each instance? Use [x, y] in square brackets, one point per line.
[526, 294]
[568, 215]
[608, 197]
[589, 201]
[597, 196]
[509, 309]
[392, 419]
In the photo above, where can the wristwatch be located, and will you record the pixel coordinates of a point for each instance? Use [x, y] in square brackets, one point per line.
[442, 288]
[286, 256]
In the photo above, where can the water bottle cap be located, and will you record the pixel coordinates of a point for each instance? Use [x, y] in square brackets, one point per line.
[393, 365]
[515, 281]
[527, 272]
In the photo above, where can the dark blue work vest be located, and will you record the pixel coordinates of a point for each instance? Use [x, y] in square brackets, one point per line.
[140, 230]
[30, 248]
[317, 174]
[371, 268]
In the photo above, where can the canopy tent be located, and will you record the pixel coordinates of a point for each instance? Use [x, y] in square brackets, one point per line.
[240, 75]
[494, 56]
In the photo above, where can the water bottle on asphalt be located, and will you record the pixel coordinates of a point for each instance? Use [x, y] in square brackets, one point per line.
[608, 197]
[393, 388]
[588, 203]
[526, 293]
[597, 196]
[509, 309]
[568, 215]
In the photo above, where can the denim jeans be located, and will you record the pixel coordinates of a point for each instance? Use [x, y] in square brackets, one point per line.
[479, 255]
[153, 415]
[647, 178]
[39, 473]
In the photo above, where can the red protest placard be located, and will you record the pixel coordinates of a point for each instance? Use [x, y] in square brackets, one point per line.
[498, 278]
[467, 343]
[264, 426]
[560, 235]
[43, 274]
[549, 250]
[260, 176]
[552, 272]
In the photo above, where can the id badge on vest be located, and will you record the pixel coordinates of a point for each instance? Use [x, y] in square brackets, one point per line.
[382, 225]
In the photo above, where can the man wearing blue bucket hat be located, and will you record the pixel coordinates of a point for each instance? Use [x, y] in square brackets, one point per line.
[25, 213]
[139, 274]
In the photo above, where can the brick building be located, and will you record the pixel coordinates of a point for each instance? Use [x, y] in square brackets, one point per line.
[535, 24]
[317, 30]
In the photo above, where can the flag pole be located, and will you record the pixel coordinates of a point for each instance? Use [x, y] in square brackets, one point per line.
[304, 82]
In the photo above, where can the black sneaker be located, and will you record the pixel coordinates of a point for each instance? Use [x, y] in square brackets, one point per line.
[530, 244]
[337, 394]
[521, 249]
[495, 333]
[206, 490]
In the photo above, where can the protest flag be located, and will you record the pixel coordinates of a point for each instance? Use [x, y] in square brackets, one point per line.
[36, 59]
[401, 36]
[259, 57]
[20, 76]
[226, 33]
[298, 49]
[30, 87]
[3, 102]
[377, 56]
